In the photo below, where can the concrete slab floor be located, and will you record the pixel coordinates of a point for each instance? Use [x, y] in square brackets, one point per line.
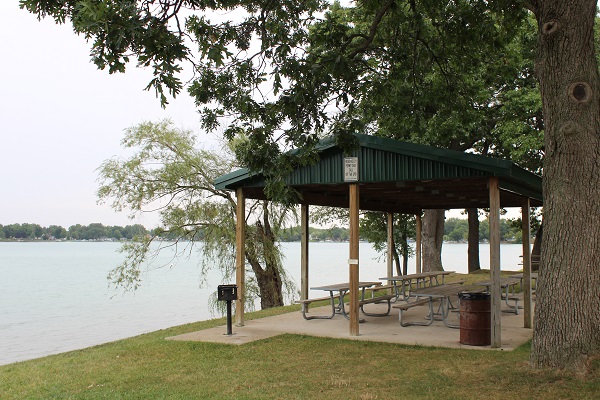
[377, 329]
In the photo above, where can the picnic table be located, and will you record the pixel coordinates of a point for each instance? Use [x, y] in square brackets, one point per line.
[534, 277]
[535, 261]
[338, 291]
[408, 282]
[508, 285]
[428, 295]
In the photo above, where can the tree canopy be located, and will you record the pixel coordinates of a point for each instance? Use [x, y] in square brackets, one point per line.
[418, 70]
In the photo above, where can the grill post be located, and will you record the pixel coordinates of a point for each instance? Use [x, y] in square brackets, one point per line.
[227, 293]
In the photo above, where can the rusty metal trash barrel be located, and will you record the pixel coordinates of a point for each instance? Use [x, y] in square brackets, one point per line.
[475, 319]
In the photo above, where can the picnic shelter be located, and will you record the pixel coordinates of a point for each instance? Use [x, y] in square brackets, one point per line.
[391, 176]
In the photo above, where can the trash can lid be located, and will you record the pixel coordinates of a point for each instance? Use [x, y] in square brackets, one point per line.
[473, 296]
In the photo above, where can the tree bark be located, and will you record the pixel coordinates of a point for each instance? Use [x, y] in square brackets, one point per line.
[473, 250]
[269, 281]
[405, 253]
[270, 286]
[433, 237]
[567, 318]
[536, 250]
[397, 261]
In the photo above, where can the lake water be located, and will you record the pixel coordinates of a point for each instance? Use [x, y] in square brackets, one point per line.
[54, 296]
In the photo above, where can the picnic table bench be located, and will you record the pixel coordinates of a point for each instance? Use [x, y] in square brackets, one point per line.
[533, 277]
[408, 305]
[306, 302]
[508, 284]
[374, 289]
[370, 300]
[428, 295]
[377, 299]
[343, 289]
[412, 281]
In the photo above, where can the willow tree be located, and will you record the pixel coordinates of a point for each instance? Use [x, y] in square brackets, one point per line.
[283, 80]
[168, 175]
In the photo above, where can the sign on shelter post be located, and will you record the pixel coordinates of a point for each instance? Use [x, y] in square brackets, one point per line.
[351, 169]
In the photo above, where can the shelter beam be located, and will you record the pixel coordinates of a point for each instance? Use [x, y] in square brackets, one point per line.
[418, 239]
[240, 246]
[390, 245]
[527, 298]
[304, 251]
[353, 261]
[494, 218]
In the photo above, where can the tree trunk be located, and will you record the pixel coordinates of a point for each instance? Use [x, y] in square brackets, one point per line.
[473, 250]
[536, 251]
[567, 320]
[405, 252]
[268, 279]
[433, 237]
[397, 261]
[269, 283]
[270, 286]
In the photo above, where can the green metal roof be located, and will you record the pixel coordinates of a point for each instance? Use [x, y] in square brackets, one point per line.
[400, 176]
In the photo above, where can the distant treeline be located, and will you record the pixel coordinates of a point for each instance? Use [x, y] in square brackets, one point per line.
[334, 234]
[75, 232]
[455, 230]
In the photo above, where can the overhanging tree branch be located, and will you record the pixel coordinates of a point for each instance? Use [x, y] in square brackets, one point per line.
[372, 30]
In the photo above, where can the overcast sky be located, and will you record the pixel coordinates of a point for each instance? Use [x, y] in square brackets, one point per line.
[60, 118]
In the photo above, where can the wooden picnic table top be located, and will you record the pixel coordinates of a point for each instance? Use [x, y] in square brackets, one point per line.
[445, 290]
[503, 282]
[534, 275]
[344, 286]
[416, 276]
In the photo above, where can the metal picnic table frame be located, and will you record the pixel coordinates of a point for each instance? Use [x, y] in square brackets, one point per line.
[406, 281]
[506, 284]
[533, 277]
[443, 293]
[342, 289]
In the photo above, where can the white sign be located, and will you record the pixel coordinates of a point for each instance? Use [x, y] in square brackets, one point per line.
[351, 169]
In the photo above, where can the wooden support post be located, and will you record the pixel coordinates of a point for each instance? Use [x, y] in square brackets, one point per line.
[390, 246]
[240, 258]
[527, 299]
[418, 238]
[494, 221]
[304, 251]
[353, 261]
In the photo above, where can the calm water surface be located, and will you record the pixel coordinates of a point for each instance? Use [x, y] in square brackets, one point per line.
[54, 297]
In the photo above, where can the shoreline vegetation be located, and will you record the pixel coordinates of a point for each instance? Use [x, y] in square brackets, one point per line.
[148, 366]
[455, 231]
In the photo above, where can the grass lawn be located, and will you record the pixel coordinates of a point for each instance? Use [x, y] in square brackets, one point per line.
[286, 367]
